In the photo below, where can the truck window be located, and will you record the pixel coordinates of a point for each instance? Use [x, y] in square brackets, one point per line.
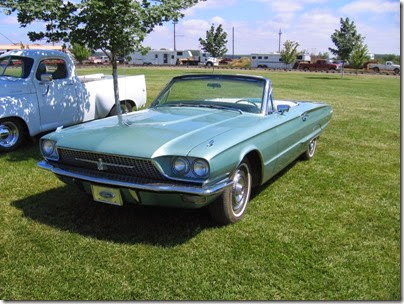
[254, 57]
[15, 66]
[259, 57]
[266, 57]
[56, 67]
[172, 56]
[156, 56]
[179, 53]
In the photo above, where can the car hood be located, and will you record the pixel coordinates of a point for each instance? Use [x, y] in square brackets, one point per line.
[151, 133]
[12, 86]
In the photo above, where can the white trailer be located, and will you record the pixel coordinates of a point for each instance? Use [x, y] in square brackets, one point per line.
[274, 61]
[154, 57]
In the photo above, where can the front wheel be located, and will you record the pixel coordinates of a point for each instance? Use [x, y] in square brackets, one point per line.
[12, 134]
[376, 69]
[209, 64]
[230, 207]
[396, 71]
[126, 107]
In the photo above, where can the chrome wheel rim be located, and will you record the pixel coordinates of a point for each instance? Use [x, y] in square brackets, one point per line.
[9, 134]
[312, 147]
[240, 190]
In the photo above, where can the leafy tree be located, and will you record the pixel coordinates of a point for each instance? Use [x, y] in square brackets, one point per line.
[324, 55]
[345, 40]
[80, 52]
[391, 57]
[289, 52]
[117, 27]
[359, 56]
[215, 42]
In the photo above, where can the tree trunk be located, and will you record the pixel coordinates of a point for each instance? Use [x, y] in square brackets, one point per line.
[342, 70]
[116, 88]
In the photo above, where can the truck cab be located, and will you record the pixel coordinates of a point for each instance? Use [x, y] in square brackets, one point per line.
[40, 91]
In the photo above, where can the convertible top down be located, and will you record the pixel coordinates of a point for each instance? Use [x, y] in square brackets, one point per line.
[206, 140]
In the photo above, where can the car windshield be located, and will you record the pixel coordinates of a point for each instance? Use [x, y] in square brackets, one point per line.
[15, 66]
[241, 94]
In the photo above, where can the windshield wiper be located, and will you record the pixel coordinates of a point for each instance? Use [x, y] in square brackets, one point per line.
[218, 107]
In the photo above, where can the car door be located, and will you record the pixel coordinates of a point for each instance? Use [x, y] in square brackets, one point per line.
[57, 98]
[290, 131]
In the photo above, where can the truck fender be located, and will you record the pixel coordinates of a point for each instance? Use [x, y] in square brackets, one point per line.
[24, 108]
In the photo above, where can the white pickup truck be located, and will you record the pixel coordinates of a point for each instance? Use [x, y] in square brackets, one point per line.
[389, 66]
[40, 91]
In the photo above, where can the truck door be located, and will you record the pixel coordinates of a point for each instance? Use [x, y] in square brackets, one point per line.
[57, 98]
[165, 60]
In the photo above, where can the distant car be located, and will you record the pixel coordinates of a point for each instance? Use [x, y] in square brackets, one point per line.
[206, 140]
[389, 66]
[101, 59]
[319, 65]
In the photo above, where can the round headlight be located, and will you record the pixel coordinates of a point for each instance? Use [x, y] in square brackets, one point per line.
[200, 168]
[48, 147]
[181, 165]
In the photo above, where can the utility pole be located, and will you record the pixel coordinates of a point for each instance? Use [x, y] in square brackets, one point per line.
[233, 42]
[175, 46]
[280, 34]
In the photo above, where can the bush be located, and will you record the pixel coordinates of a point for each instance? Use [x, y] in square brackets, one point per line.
[243, 62]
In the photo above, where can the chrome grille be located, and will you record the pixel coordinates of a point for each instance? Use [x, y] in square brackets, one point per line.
[114, 164]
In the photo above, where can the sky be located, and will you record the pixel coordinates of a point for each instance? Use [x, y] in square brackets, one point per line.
[257, 23]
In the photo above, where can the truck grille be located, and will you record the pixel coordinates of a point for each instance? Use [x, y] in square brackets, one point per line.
[113, 164]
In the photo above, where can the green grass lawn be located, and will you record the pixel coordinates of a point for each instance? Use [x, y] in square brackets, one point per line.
[324, 229]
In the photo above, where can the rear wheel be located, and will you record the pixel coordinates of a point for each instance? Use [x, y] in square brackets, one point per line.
[396, 71]
[376, 69]
[311, 150]
[126, 107]
[209, 64]
[12, 133]
[306, 69]
[230, 207]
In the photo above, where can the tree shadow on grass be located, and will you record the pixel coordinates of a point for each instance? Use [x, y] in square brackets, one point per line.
[68, 209]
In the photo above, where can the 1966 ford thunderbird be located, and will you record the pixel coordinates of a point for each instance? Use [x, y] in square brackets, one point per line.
[205, 140]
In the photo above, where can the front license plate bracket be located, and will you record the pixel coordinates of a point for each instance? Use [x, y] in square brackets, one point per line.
[107, 195]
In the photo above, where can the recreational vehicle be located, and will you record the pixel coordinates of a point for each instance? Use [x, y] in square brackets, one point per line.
[154, 57]
[274, 61]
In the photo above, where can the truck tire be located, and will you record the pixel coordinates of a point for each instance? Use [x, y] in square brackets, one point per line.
[12, 134]
[376, 69]
[396, 71]
[306, 69]
[209, 64]
[126, 107]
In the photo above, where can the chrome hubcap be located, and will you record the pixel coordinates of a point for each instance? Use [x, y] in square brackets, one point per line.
[240, 190]
[9, 134]
[312, 147]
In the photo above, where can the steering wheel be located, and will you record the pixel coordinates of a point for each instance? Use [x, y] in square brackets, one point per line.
[248, 101]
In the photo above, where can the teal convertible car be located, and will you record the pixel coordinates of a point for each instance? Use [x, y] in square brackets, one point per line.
[205, 140]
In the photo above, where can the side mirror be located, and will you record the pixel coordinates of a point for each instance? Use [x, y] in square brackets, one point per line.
[46, 78]
[283, 108]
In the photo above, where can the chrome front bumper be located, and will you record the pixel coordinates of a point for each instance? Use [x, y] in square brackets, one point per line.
[194, 190]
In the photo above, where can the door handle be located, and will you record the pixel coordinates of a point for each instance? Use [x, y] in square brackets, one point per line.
[304, 116]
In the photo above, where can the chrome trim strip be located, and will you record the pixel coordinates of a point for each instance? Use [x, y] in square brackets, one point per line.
[202, 191]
